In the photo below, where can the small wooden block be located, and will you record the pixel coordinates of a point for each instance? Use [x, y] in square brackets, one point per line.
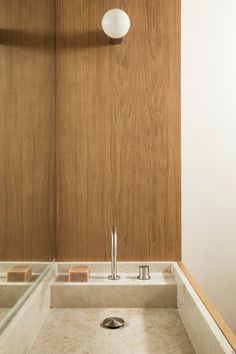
[79, 274]
[19, 273]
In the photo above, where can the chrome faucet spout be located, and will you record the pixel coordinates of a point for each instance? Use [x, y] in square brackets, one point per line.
[113, 275]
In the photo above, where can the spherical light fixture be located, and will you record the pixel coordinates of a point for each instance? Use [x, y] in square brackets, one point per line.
[116, 24]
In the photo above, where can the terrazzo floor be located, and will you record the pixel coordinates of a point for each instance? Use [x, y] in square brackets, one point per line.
[146, 331]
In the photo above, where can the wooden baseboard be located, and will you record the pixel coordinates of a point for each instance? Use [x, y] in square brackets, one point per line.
[229, 335]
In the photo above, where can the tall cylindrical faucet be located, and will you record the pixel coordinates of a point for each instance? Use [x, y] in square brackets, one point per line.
[113, 275]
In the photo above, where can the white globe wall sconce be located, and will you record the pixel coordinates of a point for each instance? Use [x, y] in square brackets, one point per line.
[116, 24]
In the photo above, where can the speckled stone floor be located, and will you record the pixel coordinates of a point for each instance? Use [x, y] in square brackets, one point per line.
[146, 331]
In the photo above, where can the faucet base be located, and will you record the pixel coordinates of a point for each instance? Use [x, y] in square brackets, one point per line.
[113, 277]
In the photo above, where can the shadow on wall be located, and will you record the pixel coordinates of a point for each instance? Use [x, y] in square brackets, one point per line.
[30, 39]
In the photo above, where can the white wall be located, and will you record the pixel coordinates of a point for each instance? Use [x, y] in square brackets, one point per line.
[209, 149]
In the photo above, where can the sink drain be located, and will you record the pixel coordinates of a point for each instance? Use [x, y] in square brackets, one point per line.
[113, 322]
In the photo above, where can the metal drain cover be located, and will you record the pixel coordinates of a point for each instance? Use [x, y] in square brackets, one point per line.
[113, 322]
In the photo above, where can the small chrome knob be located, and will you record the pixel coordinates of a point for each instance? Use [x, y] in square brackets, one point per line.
[144, 272]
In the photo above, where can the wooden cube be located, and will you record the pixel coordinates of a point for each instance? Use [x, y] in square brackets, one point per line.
[79, 274]
[19, 273]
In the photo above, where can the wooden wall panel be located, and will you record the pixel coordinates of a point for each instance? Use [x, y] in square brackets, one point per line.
[118, 131]
[27, 129]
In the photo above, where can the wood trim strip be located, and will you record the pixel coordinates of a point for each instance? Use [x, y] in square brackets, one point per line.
[231, 338]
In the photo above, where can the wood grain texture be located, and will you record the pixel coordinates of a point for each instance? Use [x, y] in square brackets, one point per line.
[27, 129]
[118, 132]
[229, 335]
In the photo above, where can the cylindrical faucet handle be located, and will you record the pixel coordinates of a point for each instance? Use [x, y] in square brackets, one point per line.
[144, 272]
